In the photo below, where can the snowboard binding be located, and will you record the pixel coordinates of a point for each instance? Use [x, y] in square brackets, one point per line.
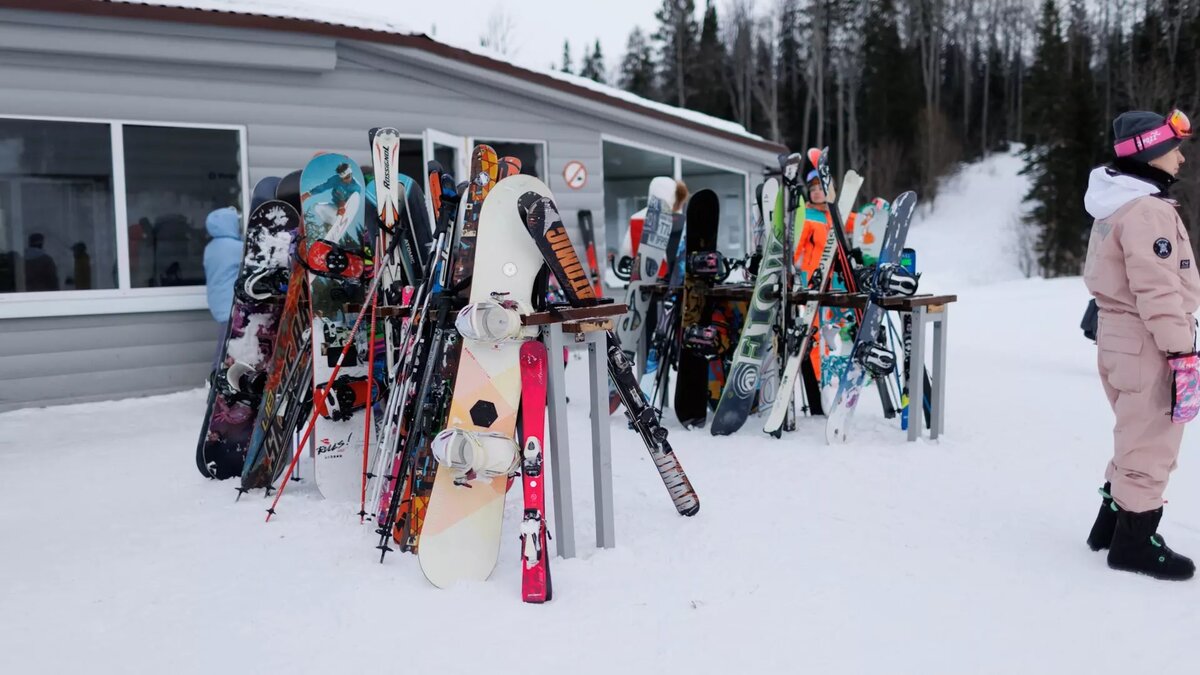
[241, 383]
[475, 455]
[494, 320]
[268, 286]
[891, 279]
[347, 396]
[878, 360]
[702, 340]
[622, 268]
[327, 259]
[710, 266]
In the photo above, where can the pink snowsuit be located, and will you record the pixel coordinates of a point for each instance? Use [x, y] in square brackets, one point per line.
[1141, 271]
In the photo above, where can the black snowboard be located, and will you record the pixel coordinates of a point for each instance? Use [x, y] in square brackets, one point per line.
[691, 384]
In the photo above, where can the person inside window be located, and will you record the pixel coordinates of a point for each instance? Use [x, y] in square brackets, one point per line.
[1141, 270]
[41, 274]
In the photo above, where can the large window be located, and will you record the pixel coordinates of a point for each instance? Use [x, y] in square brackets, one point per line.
[105, 208]
[173, 179]
[56, 207]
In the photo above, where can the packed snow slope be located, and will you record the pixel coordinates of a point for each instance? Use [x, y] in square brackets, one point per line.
[964, 554]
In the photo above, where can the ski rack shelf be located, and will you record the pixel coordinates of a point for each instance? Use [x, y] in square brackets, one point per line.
[925, 310]
[586, 325]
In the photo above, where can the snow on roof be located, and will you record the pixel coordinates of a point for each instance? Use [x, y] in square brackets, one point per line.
[320, 12]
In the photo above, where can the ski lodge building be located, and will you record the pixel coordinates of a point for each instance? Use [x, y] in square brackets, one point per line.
[123, 125]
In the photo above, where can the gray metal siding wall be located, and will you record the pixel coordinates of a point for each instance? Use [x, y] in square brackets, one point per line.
[87, 358]
[290, 110]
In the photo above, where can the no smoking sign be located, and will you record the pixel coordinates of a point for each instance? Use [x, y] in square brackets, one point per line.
[575, 174]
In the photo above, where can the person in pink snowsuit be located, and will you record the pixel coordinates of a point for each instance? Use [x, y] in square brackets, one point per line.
[1141, 270]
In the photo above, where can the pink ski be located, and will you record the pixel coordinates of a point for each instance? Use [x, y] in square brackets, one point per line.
[535, 561]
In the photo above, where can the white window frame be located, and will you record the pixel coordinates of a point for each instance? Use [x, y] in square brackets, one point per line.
[678, 159]
[543, 171]
[124, 299]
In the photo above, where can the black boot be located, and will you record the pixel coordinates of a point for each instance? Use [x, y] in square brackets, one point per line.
[1136, 547]
[1106, 521]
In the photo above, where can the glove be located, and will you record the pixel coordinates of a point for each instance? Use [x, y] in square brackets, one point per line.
[1185, 387]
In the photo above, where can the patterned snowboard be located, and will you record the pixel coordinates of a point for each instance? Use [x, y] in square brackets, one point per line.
[332, 194]
[258, 294]
[460, 536]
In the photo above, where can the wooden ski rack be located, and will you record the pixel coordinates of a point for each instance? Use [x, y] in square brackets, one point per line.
[924, 309]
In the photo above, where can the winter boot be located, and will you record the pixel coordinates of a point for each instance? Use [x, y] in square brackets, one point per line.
[1136, 547]
[1106, 521]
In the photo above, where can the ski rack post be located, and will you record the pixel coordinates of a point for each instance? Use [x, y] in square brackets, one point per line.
[925, 311]
[587, 325]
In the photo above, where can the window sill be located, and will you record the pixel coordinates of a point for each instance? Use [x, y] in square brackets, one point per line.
[112, 301]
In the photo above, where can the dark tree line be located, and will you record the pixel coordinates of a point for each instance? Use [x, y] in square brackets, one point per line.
[905, 90]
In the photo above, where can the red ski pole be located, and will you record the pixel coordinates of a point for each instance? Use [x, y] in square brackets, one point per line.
[312, 421]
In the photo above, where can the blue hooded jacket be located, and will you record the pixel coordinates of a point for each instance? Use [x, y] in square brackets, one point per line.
[222, 259]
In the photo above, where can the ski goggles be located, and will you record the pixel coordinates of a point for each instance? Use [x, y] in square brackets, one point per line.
[1177, 126]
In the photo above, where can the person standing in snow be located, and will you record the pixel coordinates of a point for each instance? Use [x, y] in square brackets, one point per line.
[222, 260]
[1140, 269]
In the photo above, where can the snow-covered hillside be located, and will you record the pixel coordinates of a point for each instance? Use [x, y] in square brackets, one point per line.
[964, 555]
[972, 233]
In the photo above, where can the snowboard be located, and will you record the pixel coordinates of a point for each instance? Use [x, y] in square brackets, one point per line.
[460, 536]
[287, 396]
[535, 557]
[237, 387]
[332, 194]
[691, 381]
[857, 371]
[264, 191]
[664, 312]
[648, 260]
[871, 223]
[545, 226]
[742, 383]
[588, 232]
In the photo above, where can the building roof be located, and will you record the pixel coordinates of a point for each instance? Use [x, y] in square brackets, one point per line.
[281, 15]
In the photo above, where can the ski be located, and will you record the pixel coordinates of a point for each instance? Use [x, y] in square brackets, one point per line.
[545, 226]
[535, 556]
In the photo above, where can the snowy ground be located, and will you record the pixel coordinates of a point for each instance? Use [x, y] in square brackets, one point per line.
[960, 555]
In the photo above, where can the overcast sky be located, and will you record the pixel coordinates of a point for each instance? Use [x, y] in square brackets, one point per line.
[539, 26]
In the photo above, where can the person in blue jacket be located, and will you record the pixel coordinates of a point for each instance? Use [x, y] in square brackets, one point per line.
[222, 259]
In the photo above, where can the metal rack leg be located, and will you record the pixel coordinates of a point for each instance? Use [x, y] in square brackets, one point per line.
[916, 374]
[560, 451]
[939, 374]
[601, 448]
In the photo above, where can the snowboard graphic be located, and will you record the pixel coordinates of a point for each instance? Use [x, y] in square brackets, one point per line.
[648, 260]
[332, 194]
[258, 297]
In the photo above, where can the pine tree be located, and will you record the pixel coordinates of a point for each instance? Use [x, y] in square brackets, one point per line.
[593, 65]
[677, 41]
[1063, 121]
[638, 67]
[711, 97]
[566, 59]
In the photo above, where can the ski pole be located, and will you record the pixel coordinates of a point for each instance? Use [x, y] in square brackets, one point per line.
[362, 500]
